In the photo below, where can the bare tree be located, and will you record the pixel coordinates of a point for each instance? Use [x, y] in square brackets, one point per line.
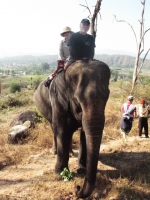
[0, 85]
[93, 17]
[140, 46]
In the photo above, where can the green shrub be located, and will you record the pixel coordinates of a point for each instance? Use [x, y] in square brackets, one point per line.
[15, 100]
[14, 87]
[36, 83]
[67, 175]
[9, 101]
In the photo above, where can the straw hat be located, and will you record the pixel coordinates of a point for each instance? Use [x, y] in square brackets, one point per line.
[65, 30]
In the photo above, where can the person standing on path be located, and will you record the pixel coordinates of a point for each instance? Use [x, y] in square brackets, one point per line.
[143, 118]
[129, 112]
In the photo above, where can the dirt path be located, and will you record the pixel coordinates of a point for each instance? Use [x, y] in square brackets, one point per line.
[16, 181]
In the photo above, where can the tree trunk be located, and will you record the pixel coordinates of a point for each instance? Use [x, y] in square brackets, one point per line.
[140, 46]
[94, 18]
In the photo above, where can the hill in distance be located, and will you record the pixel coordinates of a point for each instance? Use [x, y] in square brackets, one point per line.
[119, 52]
[113, 59]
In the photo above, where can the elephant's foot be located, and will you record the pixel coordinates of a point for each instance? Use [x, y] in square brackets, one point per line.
[59, 169]
[53, 151]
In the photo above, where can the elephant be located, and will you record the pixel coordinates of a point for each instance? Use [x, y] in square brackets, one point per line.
[77, 98]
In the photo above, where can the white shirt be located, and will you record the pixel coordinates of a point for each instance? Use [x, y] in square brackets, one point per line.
[63, 50]
[141, 110]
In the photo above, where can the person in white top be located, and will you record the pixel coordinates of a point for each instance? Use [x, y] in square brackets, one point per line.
[63, 54]
[63, 48]
[128, 113]
[143, 118]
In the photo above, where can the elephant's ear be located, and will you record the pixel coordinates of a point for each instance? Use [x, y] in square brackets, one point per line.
[58, 92]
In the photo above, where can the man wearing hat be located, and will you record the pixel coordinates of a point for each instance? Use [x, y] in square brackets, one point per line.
[143, 118]
[81, 45]
[62, 55]
[63, 48]
[129, 112]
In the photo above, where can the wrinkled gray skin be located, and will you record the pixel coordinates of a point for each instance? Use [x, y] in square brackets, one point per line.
[77, 98]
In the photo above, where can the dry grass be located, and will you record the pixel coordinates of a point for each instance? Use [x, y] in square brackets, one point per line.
[26, 170]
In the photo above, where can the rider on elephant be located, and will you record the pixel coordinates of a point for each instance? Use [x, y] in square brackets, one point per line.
[81, 45]
[63, 54]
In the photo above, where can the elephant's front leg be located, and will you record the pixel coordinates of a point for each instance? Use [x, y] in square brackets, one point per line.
[82, 153]
[63, 137]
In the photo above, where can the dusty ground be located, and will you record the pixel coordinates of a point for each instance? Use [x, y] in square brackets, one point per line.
[18, 181]
[32, 176]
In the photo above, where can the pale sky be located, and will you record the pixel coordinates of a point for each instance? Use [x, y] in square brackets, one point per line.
[34, 26]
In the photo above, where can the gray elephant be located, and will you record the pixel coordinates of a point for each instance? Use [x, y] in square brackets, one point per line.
[77, 98]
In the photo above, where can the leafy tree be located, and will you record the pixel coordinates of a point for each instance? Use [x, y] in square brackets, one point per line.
[14, 87]
[12, 72]
[45, 66]
[36, 82]
[114, 73]
[0, 85]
